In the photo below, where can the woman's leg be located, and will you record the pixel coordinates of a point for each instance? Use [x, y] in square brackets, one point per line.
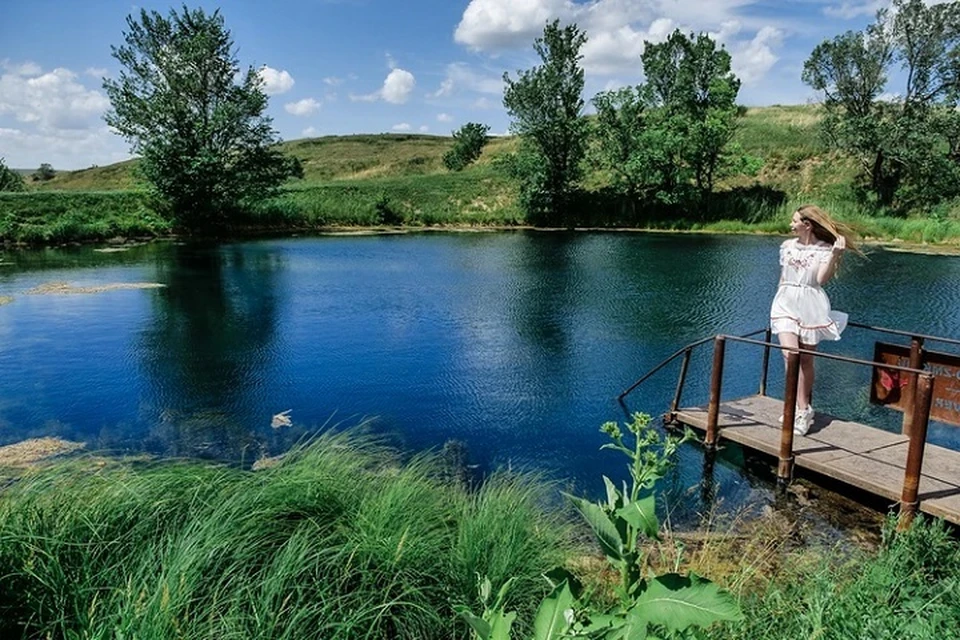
[805, 384]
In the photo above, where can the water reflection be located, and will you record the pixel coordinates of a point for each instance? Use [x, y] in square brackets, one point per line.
[207, 350]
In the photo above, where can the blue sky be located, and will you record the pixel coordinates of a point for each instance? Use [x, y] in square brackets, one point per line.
[369, 66]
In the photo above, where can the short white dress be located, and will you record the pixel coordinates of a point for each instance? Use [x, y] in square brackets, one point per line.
[801, 306]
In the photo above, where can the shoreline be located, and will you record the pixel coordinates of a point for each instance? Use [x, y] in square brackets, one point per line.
[949, 248]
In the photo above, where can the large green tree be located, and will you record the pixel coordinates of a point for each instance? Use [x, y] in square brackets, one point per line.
[546, 107]
[669, 139]
[905, 135]
[195, 118]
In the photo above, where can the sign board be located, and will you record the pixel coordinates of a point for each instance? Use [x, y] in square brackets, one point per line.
[886, 387]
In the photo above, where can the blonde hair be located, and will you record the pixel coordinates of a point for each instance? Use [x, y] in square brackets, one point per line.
[826, 229]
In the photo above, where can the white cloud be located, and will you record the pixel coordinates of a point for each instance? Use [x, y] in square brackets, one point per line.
[21, 68]
[483, 103]
[491, 24]
[309, 132]
[616, 29]
[304, 107]
[397, 86]
[446, 88]
[618, 50]
[64, 149]
[275, 81]
[369, 97]
[96, 72]
[403, 126]
[333, 81]
[444, 117]
[54, 100]
[461, 77]
[424, 128]
[752, 60]
[849, 10]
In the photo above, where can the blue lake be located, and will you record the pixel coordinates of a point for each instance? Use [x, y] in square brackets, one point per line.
[515, 343]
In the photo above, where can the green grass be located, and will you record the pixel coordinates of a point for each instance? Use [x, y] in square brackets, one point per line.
[910, 590]
[340, 540]
[398, 180]
[66, 216]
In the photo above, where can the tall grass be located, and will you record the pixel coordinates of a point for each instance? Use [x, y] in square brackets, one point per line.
[340, 540]
[909, 590]
[52, 217]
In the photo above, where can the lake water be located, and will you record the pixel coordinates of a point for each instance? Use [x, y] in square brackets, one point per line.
[515, 343]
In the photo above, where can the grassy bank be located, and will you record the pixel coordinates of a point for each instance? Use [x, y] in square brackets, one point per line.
[399, 180]
[338, 540]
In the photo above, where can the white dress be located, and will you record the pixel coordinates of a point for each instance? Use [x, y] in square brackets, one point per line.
[801, 306]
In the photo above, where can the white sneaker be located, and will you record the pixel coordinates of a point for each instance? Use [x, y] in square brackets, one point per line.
[803, 421]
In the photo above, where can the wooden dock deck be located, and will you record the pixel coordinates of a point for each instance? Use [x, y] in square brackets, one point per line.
[864, 457]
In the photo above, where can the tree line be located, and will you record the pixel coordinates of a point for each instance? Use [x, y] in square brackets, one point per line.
[197, 119]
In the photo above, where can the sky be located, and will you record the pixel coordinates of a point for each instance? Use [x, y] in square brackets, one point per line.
[373, 66]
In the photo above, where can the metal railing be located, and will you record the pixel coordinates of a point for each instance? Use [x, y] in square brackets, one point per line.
[918, 391]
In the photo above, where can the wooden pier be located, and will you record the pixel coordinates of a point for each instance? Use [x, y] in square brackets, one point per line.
[855, 454]
[900, 467]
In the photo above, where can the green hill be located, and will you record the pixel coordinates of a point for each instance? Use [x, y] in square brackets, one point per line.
[390, 179]
[785, 137]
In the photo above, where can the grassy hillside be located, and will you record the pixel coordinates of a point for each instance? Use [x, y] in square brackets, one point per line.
[391, 179]
[785, 137]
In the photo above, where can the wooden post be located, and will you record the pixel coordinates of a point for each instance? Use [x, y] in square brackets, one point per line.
[910, 389]
[918, 440]
[684, 365]
[716, 383]
[785, 467]
[767, 337]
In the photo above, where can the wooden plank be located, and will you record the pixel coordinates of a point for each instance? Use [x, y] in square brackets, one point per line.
[856, 454]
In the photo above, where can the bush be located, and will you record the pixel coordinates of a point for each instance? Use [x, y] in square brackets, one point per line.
[468, 143]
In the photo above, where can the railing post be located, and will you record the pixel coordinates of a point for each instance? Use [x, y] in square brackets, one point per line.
[767, 337]
[716, 384]
[910, 389]
[918, 440]
[785, 467]
[684, 365]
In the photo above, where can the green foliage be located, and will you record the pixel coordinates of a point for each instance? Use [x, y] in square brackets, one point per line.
[44, 173]
[671, 601]
[907, 591]
[337, 540]
[54, 217]
[908, 147]
[203, 138]
[672, 134]
[546, 105]
[468, 142]
[10, 180]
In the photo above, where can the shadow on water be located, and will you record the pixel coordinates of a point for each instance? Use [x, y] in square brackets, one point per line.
[208, 349]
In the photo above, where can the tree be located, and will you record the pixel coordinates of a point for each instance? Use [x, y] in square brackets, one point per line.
[672, 134]
[546, 104]
[10, 180]
[468, 142]
[906, 143]
[194, 117]
[44, 173]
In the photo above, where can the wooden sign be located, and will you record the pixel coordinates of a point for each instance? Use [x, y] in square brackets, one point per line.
[886, 388]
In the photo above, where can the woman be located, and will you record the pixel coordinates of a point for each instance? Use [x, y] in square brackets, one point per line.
[800, 314]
